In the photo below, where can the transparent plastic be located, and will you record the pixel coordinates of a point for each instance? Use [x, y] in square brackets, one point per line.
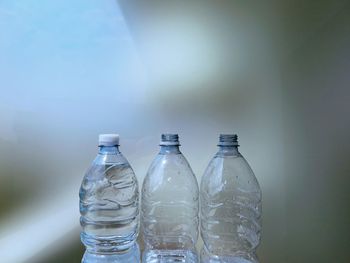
[109, 207]
[230, 207]
[170, 206]
[132, 255]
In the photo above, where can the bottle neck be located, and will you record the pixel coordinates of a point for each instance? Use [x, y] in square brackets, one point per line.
[169, 149]
[230, 150]
[109, 149]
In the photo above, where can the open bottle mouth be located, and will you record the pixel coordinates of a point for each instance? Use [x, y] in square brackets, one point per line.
[228, 140]
[170, 139]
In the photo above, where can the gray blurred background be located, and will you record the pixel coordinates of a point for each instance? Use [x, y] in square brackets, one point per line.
[274, 72]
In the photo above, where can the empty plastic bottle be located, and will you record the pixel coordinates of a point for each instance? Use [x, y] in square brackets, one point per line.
[109, 205]
[169, 208]
[230, 207]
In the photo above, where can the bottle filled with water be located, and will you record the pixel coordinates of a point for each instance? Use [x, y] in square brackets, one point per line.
[230, 207]
[169, 209]
[109, 206]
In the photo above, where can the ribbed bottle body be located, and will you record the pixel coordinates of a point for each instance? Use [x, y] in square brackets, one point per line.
[230, 210]
[132, 255]
[169, 212]
[109, 205]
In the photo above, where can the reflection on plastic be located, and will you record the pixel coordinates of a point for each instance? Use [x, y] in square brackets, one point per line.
[131, 256]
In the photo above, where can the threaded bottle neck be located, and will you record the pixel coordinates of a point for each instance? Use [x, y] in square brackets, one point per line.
[169, 139]
[228, 145]
[228, 140]
[169, 144]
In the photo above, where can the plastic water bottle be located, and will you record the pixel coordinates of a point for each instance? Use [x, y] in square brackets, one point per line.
[109, 205]
[169, 208]
[230, 207]
[131, 255]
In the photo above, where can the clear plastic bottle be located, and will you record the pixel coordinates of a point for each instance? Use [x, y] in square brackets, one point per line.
[169, 208]
[109, 205]
[132, 255]
[230, 207]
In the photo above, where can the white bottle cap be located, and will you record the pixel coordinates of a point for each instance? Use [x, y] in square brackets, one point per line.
[108, 140]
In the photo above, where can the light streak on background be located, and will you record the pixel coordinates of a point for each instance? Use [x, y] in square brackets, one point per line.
[69, 70]
[37, 230]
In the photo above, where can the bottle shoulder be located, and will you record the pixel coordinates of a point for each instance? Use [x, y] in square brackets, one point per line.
[106, 161]
[102, 159]
[229, 173]
[108, 170]
[170, 174]
[170, 165]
